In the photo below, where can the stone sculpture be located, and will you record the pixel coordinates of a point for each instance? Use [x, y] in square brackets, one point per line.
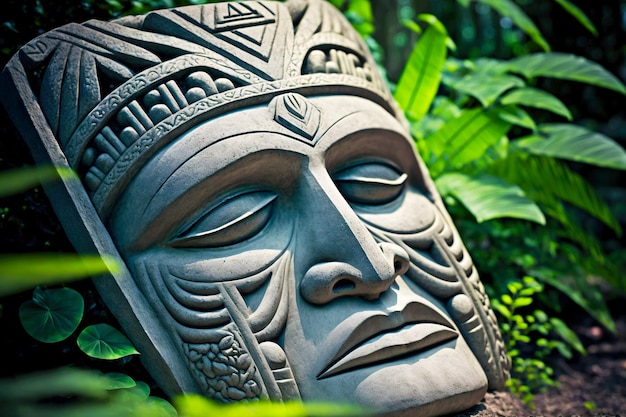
[281, 238]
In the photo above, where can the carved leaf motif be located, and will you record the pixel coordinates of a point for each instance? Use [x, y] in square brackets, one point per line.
[296, 107]
[297, 114]
[51, 88]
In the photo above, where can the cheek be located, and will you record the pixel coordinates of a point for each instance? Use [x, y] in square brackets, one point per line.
[412, 213]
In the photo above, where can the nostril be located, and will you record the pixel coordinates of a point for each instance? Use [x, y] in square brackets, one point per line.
[343, 285]
[397, 265]
[396, 257]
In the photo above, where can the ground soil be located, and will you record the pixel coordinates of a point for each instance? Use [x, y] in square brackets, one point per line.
[592, 385]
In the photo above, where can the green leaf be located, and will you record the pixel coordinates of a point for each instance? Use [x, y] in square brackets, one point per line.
[567, 334]
[193, 405]
[485, 87]
[533, 97]
[579, 290]
[359, 14]
[578, 15]
[522, 302]
[436, 23]
[104, 342]
[59, 382]
[18, 180]
[488, 197]
[574, 143]
[142, 389]
[164, 408]
[52, 315]
[119, 381]
[464, 139]
[511, 10]
[565, 67]
[516, 116]
[412, 26]
[421, 76]
[545, 179]
[501, 308]
[20, 272]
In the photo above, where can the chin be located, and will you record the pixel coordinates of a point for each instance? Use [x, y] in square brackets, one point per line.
[444, 380]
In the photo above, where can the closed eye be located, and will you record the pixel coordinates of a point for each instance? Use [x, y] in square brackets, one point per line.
[371, 183]
[235, 220]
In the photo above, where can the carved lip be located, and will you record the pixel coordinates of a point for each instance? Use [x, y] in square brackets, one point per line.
[384, 337]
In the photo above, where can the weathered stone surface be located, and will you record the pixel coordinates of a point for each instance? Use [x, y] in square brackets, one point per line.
[281, 238]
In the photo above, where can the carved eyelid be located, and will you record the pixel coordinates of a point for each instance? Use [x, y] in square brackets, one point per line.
[372, 183]
[234, 220]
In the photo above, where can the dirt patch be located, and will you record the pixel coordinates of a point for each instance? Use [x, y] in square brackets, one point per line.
[592, 385]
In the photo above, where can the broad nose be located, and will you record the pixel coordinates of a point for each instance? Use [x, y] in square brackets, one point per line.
[341, 257]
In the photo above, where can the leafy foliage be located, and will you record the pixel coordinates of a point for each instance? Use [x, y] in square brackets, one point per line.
[514, 12]
[52, 315]
[533, 97]
[574, 143]
[522, 327]
[418, 85]
[480, 155]
[565, 67]
[84, 393]
[488, 197]
[105, 342]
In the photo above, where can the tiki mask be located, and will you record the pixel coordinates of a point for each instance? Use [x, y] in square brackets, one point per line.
[280, 236]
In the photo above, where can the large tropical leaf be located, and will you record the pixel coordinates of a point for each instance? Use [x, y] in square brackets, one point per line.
[539, 99]
[52, 315]
[20, 272]
[516, 116]
[566, 67]
[421, 76]
[545, 179]
[488, 197]
[511, 10]
[484, 86]
[578, 15]
[465, 139]
[574, 143]
[105, 342]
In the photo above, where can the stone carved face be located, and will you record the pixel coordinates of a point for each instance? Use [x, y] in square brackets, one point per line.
[282, 239]
[320, 243]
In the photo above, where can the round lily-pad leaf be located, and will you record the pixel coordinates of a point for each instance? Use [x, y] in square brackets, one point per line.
[119, 381]
[52, 315]
[104, 342]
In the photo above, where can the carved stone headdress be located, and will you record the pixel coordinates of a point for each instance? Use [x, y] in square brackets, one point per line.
[113, 93]
[104, 97]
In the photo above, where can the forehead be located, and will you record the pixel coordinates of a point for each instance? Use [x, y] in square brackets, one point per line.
[214, 145]
[308, 126]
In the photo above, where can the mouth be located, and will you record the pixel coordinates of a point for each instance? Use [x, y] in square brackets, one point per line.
[383, 337]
